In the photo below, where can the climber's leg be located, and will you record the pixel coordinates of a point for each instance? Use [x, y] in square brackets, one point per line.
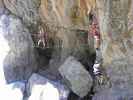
[100, 74]
[97, 67]
[98, 63]
[98, 60]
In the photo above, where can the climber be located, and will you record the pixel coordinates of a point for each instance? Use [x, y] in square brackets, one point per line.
[99, 74]
[90, 6]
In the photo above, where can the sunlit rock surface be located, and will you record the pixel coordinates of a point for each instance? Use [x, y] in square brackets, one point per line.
[68, 24]
[18, 56]
[62, 12]
[66, 13]
[3, 53]
[40, 88]
[13, 91]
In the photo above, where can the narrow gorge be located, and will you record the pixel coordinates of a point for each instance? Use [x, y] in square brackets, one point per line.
[47, 52]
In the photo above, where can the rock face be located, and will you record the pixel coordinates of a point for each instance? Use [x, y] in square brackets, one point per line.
[27, 10]
[1, 7]
[66, 19]
[115, 94]
[19, 59]
[40, 88]
[63, 19]
[64, 13]
[76, 77]
[71, 43]
[117, 49]
[114, 29]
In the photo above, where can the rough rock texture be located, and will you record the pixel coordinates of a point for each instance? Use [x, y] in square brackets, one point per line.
[113, 20]
[120, 73]
[63, 19]
[115, 94]
[116, 48]
[73, 43]
[130, 16]
[40, 88]
[68, 22]
[27, 10]
[13, 91]
[66, 13]
[19, 57]
[76, 77]
[1, 7]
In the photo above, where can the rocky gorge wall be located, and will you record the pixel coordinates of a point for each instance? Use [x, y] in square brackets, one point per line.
[19, 21]
[63, 23]
[116, 48]
[67, 21]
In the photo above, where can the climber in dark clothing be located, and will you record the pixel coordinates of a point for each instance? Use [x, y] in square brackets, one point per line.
[100, 76]
[97, 67]
[95, 31]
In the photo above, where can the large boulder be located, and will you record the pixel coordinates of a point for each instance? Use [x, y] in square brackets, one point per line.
[76, 76]
[41, 88]
[27, 10]
[18, 58]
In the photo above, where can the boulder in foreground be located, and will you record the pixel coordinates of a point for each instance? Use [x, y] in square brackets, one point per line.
[76, 76]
